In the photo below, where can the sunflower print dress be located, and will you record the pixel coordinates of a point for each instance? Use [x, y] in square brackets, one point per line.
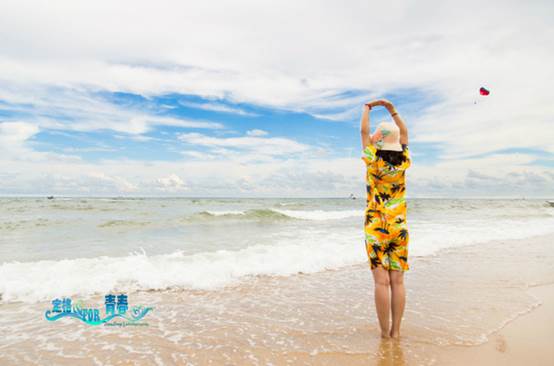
[385, 226]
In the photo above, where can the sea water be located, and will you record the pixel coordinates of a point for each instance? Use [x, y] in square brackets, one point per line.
[259, 281]
[93, 245]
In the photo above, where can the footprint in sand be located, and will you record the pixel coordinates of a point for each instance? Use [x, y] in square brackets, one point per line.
[501, 344]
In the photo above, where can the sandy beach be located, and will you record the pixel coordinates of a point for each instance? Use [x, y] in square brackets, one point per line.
[526, 339]
[477, 311]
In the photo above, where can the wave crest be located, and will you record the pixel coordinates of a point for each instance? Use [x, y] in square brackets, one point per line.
[274, 214]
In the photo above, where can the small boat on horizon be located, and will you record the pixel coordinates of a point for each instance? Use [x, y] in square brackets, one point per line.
[50, 197]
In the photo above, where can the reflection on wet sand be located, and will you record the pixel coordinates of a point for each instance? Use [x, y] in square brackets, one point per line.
[390, 353]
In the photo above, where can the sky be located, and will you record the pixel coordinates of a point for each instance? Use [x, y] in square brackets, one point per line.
[264, 98]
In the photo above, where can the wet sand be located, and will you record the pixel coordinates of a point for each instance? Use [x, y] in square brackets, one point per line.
[527, 339]
[482, 304]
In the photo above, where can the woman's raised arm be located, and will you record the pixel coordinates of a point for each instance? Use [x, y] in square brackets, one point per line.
[365, 126]
[398, 120]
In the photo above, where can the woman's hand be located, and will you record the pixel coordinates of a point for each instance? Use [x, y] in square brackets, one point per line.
[386, 103]
[380, 102]
[368, 106]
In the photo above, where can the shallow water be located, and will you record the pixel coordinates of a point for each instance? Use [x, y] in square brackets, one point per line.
[457, 296]
[90, 245]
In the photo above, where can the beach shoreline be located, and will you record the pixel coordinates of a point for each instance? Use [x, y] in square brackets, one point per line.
[524, 339]
[476, 312]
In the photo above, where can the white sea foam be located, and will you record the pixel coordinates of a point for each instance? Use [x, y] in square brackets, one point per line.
[318, 215]
[226, 212]
[312, 241]
[427, 237]
[42, 280]
[309, 251]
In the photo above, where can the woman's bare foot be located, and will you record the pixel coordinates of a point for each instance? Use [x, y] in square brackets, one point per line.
[394, 335]
[384, 335]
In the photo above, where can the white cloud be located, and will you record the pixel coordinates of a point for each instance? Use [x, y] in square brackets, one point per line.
[171, 183]
[15, 133]
[303, 56]
[14, 137]
[217, 107]
[256, 132]
[240, 147]
[82, 110]
[112, 182]
[196, 154]
[491, 177]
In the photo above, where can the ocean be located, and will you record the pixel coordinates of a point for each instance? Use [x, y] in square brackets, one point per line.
[258, 276]
[205, 243]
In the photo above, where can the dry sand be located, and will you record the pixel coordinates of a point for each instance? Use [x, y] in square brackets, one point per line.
[526, 340]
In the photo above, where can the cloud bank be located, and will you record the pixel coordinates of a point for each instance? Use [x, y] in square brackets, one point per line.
[61, 64]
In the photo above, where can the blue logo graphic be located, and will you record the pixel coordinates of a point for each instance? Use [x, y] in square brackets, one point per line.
[115, 307]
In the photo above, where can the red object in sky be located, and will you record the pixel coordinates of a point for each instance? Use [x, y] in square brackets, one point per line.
[484, 91]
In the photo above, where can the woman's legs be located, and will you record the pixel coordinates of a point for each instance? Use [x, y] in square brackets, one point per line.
[382, 298]
[398, 301]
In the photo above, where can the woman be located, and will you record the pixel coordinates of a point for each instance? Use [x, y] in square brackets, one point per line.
[387, 157]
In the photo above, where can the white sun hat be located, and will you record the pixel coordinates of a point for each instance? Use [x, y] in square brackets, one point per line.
[387, 137]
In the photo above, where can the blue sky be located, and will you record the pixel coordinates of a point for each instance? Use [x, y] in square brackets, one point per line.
[338, 138]
[241, 102]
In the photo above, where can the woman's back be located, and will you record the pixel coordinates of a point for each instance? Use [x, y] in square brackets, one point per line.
[385, 181]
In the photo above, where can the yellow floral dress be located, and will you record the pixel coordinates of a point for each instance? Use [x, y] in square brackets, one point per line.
[385, 226]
